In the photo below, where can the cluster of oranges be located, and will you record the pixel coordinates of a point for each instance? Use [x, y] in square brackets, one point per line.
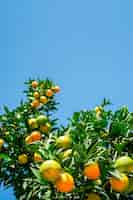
[41, 125]
[38, 126]
[52, 171]
[41, 96]
[58, 158]
[118, 184]
[23, 158]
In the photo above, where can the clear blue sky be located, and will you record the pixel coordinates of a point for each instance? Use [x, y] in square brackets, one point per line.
[84, 46]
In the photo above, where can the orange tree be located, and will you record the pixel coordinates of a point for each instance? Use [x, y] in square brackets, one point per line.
[89, 159]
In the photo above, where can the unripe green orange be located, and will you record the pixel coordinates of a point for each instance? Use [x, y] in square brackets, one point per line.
[124, 164]
[42, 119]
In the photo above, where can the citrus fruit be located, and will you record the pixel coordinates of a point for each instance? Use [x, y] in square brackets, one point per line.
[43, 99]
[66, 153]
[56, 89]
[124, 164]
[41, 119]
[98, 182]
[28, 139]
[33, 123]
[36, 95]
[65, 183]
[34, 84]
[45, 128]
[1, 142]
[35, 103]
[50, 170]
[119, 184]
[49, 93]
[92, 171]
[93, 196]
[37, 157]
[35, 135]
[22, 159]
[64, 141]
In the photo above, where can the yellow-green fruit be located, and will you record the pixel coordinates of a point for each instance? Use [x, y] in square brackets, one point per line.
[50, 170]
[33, 123]
[22, 159]
[42, 119]
[66, 153]
[93, 196]
[124, 164]
[64, 141]
[98, 182]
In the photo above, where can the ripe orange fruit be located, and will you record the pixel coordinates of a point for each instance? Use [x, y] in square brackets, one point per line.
[49, 93]
[124, 164]
[119, 185]
[37, 157]
[34, 84]
[36, 95]
[22, 159]
[28, 139]
[64, 141]
[33, 123]
[1, 142]
[50, 170]
[93, 196]
[92, 171]
[65, 183]
[35, 103]
[36, 135]
[45, 128]
[56, 89]
[43, 99]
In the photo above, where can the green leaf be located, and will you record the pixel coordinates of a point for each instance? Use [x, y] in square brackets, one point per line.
[38, 176]
[6, 109]
[5, 156]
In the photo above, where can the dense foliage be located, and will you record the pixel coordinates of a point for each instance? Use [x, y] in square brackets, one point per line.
[91, 158]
